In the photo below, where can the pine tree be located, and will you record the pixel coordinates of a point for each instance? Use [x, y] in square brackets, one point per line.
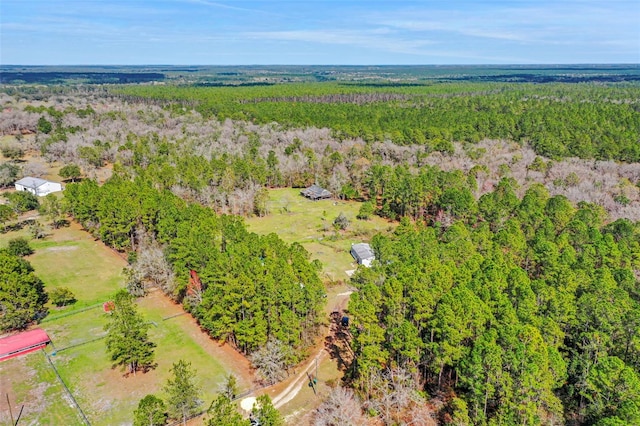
[224, 413]
[265, 413]
[127, 340]
[182, 392]
[151, 411]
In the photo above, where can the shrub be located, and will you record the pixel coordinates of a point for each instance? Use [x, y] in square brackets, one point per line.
[341, 222]
[366, 210]
[622, 199]
[44, 125]
[19, 247]
[62, 296]
[12, 152]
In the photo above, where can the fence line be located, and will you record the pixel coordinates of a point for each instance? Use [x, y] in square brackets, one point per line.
[66, 314]
[174, 315]
[84, 417]
[81, 343]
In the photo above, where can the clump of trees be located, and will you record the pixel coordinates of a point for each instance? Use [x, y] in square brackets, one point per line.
[226, 164]
[22, 201]
[22, 295]
[253, 288]
[582, 121]
[53, 208]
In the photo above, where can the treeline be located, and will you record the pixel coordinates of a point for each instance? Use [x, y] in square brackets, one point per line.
[522, 311]
[253, 288]
[22, 295]
[586, 121]
[226, 165]
[88, 77]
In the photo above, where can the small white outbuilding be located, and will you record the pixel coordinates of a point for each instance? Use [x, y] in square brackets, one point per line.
[363, 254]
[37, 186]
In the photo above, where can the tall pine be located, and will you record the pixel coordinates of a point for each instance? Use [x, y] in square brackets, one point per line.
[127, 341]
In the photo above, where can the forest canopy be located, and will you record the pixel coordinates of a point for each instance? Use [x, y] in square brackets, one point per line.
[558, 120]
[528, 310]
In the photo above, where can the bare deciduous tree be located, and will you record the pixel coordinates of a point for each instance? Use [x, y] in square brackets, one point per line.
[271, 361]
[151, 268]
[392, 394]
[341, 408]
[34, 169]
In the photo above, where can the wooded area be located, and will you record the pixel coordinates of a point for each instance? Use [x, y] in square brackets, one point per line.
[558, 120]
[527, 311]
[508, 294]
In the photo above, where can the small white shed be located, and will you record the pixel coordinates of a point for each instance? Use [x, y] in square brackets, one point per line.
[363, 254]
[37, 186]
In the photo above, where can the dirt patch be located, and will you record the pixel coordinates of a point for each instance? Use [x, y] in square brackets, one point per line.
[61, 248]
[11, 371]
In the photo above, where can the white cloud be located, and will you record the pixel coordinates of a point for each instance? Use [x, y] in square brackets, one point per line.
[219, 5]
[371, 39]
[559, 23]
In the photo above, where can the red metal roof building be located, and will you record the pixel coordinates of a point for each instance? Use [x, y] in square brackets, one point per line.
[22, 343]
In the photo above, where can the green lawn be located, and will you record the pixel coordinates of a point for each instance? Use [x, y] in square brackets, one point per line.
[297, 219]
[71, 258]
[84, 266]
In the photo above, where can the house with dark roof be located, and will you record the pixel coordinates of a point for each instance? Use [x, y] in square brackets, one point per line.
[363, 254]
[37, 186]
[315, 192]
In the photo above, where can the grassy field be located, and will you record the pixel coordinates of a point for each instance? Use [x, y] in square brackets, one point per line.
[71, 258]
[310, 223]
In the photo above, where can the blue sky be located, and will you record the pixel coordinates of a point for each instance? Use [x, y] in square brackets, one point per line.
[236, 32]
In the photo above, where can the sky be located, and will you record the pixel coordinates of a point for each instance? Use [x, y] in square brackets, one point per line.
[318, 32]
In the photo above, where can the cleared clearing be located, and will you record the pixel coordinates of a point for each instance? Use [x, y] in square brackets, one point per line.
[310, 223]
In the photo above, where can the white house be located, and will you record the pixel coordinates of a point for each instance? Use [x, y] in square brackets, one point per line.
[37, 186]
[363, 254]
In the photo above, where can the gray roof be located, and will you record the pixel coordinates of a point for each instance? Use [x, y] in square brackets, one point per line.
[362, 251]
[31, 182]
[315, 191]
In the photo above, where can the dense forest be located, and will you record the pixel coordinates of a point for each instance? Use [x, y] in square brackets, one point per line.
[558, 120]
[527, 310]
